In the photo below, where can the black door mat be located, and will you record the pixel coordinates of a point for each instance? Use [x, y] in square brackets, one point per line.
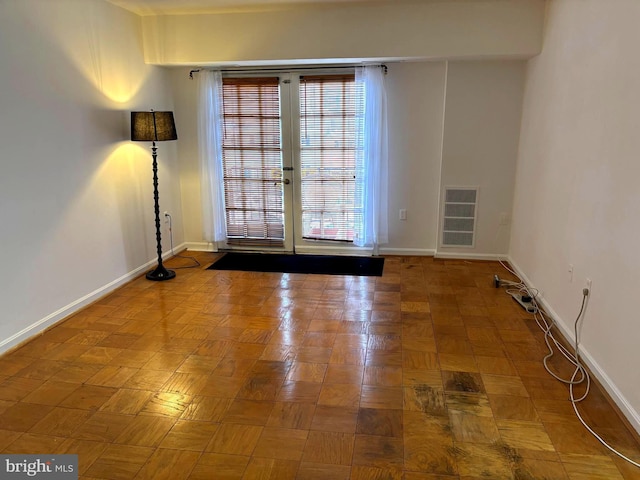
[313, 264]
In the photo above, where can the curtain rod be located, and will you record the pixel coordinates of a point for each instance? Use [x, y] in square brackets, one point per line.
[290, 69]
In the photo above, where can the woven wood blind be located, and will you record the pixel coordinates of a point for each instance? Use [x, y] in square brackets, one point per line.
[327, 142]
[252, 161]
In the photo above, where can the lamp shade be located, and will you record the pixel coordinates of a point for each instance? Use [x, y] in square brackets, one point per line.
[153, 126]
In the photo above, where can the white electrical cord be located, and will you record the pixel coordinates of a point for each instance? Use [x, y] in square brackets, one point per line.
[546, 324]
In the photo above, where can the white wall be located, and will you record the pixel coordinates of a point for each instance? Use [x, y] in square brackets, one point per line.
[415, 96]
[408, 30]
[185, 95]
[480, 148]
[76, 203]
[577, 197]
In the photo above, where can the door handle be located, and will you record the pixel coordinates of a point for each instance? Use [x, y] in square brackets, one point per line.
[287, 181]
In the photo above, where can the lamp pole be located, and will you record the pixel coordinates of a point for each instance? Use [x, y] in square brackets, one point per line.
[160, 273]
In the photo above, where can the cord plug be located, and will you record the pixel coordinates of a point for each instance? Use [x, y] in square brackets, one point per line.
[585, 292]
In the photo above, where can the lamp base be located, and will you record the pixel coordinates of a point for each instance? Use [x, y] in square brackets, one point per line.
[160, 274]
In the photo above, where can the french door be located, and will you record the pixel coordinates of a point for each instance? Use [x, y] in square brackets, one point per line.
[289, 161]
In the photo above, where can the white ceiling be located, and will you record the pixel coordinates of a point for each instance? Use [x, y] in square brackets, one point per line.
[177, 7]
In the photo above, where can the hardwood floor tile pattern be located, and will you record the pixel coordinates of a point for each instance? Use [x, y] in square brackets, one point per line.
[425, 373]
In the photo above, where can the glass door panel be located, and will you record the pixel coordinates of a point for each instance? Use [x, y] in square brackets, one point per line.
[327, 171]
[253, 163]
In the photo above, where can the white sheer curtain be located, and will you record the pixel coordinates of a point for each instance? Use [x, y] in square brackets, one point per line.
[210, 132]
[372, 157]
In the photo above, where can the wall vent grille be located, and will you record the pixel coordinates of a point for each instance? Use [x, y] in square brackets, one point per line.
[459, 222]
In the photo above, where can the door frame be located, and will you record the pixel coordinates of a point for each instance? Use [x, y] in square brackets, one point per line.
[289, 84]
[285, 144]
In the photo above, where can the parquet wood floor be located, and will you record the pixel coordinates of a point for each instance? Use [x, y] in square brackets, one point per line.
[425, 373]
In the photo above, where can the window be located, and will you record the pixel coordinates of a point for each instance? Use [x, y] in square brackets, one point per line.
[327, 157]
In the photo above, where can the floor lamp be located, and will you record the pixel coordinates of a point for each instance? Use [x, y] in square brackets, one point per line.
[155, 127]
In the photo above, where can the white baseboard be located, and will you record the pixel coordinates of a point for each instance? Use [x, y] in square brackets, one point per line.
[201, 246]
[332, 250]
[409, 252]
[471, 256]
[62, 313]
[616, 395]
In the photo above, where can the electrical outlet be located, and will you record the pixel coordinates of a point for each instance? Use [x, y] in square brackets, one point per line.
[166, 216]
[403, 214]
[587, 284]
[570, 273]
